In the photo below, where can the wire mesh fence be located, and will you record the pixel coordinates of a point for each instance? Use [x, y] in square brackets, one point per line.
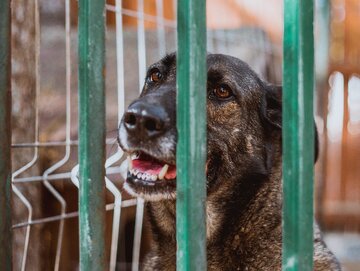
[137, 36]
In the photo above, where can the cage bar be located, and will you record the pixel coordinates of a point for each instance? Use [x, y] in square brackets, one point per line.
[141, 46]
[92, 134]
[191, 124]
[298, 135]
[5, 137]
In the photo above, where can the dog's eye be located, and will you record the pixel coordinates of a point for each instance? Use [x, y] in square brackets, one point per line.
[222, 92]
[155, 76]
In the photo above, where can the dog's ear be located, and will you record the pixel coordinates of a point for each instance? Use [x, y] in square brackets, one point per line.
[272, 111]
[272, 106]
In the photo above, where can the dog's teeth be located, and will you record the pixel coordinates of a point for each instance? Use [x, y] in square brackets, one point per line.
[130, 165]
[153, 178]
[135, 155]
[163, 171]
[148, 177]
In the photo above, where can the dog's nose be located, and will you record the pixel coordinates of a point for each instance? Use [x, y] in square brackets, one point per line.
[145, 121]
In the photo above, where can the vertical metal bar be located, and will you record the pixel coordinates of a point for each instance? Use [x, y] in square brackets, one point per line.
[322, 44]
[298, 135]
[139, 217]
[66, 157]
[160, 28]
[92, 134]
[120, 60]
[142, 72]
[141, 43]
[191, 124]
[28, 206]
[5, 137]
[322, 18]
[117, 156]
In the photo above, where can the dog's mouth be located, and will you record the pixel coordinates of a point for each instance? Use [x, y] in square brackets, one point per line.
[148, 169]
[150, 177]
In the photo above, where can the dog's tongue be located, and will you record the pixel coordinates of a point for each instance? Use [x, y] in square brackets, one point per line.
[150, 166]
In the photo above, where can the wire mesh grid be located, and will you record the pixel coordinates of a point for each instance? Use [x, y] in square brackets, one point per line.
[65, 168]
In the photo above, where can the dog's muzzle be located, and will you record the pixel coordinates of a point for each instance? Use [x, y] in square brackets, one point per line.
[147, 135]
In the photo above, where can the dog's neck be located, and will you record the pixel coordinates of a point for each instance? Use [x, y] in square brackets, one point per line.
[226, 218]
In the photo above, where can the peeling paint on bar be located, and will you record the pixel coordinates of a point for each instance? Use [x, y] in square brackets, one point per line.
[191, 124]
[92, 134]
[298, 135]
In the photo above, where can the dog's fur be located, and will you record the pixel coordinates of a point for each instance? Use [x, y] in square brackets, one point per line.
[244, 191]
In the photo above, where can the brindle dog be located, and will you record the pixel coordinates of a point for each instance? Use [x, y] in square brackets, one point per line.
[244, 195]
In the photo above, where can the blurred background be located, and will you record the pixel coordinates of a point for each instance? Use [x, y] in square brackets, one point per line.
[45, 107]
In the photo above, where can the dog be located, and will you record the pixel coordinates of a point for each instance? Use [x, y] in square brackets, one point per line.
[243, 167]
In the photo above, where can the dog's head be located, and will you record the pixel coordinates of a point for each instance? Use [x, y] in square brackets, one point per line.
[243, 127]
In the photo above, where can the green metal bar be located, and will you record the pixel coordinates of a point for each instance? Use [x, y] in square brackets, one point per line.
[191, 124]
[5, 137]
[92, 134]
[298, 135]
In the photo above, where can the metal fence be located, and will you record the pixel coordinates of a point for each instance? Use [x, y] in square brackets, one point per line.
[89, 173]
[5, 138]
